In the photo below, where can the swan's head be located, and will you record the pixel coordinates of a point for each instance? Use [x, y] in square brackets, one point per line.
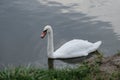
[46, 30]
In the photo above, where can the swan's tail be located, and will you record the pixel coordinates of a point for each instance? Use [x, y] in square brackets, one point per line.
[96, 45]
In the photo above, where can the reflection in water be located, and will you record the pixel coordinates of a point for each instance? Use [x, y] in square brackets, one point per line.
[50, 63]
[105, 10]
[76, 60]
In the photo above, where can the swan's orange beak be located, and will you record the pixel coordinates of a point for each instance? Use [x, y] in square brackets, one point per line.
[43, 34]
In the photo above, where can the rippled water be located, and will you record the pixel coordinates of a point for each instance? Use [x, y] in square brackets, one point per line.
[21, 22]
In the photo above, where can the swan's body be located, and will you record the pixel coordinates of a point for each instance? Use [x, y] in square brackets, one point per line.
[71, 49]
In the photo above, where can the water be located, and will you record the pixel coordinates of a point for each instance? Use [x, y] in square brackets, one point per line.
[21, 22]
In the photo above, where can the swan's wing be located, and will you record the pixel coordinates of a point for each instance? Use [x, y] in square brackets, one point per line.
[73, 48]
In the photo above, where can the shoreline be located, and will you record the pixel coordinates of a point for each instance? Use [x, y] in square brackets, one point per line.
[93, 68]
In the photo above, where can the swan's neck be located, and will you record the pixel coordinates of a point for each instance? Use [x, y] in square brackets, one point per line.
[50, 46]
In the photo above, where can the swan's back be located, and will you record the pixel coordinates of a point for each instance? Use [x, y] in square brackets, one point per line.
[76, 48]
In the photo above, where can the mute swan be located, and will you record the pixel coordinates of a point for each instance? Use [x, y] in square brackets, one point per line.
[71, 49]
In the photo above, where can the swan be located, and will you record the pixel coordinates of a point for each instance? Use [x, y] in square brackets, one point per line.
[71, 49]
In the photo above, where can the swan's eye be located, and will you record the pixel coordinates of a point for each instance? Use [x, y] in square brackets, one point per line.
[45, 31]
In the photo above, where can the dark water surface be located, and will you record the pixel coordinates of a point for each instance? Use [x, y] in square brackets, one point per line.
[21, 22]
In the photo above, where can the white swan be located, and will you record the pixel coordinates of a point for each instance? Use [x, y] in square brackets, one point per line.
[71, 49]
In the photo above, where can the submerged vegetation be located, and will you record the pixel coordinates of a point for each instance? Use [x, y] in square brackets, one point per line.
[86, 71]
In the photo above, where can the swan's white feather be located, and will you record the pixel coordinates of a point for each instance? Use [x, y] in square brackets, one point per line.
[71, 49]
[76, 48]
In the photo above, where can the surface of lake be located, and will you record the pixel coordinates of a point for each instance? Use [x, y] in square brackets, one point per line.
[21, 22]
